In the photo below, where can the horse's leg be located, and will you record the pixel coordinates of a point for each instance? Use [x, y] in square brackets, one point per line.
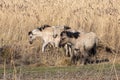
[83, 59]
[83, 56]
[70, 50]
[72, 56]
[95, 52]
[92, 54]
[73, 59]
[86, 57]
[43, 46]
[66, 50]
[53, 44]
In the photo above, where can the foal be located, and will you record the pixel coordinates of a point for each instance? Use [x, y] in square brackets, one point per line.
[46, 32]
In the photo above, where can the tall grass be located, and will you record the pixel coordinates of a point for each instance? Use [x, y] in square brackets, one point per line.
[100, 16]
[18, 17]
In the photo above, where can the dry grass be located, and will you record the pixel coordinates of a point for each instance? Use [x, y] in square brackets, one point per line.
[18, 17]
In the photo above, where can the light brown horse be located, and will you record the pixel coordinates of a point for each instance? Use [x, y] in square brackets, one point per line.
[83, 45]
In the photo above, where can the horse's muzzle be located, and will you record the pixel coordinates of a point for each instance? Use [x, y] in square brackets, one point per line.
[61, 45]
[30, 42]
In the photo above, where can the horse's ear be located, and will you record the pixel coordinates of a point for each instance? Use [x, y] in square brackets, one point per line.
[67, 27]
[30, 32]
[76, 34]
[40, 28]
[61, 34]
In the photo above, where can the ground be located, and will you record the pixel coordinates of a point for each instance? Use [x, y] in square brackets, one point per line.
[101, 71]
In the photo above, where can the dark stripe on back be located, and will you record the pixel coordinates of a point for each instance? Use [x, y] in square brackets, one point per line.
[71, 34]
[43, 27]
[67, 27]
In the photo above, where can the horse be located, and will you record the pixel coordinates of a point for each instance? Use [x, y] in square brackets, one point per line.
[83, 44]
[57, 31]
[46, 33]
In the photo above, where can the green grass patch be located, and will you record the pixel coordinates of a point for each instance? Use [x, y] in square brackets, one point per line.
[94, 67]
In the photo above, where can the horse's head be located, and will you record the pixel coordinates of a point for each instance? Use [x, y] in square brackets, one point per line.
[63, 38]
[66, 35]
[33, 34]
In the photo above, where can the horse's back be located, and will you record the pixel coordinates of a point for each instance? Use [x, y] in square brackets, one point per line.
[87, 40]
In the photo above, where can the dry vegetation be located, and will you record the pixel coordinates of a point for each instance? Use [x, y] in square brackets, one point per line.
[18, 17]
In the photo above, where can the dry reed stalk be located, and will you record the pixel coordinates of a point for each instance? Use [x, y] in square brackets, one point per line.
[4, 69]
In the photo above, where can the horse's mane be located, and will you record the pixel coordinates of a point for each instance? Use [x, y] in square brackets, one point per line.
[43, 27]
[66, 27]
[71, 34]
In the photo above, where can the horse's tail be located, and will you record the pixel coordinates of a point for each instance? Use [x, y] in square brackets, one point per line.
[105, 46]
